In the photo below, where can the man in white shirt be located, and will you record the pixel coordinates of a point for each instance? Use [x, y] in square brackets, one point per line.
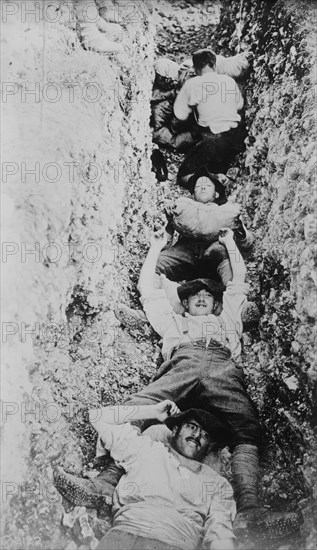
[167, 499]
[216, 102]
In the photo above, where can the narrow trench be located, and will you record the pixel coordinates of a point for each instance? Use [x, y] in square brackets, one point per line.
[105, 370]
[176, 42]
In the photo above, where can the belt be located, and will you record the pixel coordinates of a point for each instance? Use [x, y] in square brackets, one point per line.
[201, 343]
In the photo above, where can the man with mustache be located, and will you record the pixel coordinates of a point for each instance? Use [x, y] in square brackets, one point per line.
[167, 499]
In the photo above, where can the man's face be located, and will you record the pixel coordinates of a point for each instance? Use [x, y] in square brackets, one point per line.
[201, 303]
[164, 82]
[191, 440]
[205, 190]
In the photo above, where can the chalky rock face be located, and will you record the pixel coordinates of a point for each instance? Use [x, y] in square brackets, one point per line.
[85, 134]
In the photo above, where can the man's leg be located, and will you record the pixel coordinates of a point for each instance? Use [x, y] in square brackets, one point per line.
[216, 151]
[176, 380]
[178, 261]
[216, 258]
[210, 151]
[223, 391]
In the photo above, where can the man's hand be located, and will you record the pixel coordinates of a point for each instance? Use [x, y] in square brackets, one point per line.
[165, 409]
[225, 236]
[160, 238]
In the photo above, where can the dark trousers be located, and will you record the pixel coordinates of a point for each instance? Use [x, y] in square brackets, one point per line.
[215, 151]
[206, 379]
[116, 539]
[187, 260]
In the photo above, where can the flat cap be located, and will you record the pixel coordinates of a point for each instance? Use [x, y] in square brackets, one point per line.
[188, 288]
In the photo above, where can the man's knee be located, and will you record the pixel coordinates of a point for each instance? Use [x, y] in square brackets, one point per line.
[173, 263]
[216, 252]
[246, 430]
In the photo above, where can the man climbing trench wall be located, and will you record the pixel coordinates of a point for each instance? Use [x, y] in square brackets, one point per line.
[95, 355]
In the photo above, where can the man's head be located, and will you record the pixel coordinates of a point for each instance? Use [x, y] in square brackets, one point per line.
[166, 73]
[198, 296]
[206, 188]
[194, 431]
[204, 60]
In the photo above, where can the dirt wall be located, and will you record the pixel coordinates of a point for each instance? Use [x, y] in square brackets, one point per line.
[80, 121]
[277, 186]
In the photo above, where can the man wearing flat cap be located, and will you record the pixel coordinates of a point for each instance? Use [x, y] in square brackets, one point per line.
[167, 499]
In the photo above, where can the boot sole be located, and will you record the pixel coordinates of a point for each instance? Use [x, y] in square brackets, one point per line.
[78, 495]
[273, 530]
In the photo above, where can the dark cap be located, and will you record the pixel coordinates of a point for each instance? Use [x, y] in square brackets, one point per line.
[204, 172]
[188, 288]
[216, 428]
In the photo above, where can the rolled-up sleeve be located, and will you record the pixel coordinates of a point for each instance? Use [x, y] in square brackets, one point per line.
[123, 441]
[233, 300]
[218, 525]
[182, 108]
[158, 310]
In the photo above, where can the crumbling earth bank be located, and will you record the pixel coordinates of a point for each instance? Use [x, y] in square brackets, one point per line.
[86, 134]
[277, 185]
[79, 355]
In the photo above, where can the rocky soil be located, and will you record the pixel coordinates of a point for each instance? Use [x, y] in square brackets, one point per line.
[80, 355]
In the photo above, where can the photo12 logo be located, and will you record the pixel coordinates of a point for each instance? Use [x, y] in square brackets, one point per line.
[128, 12]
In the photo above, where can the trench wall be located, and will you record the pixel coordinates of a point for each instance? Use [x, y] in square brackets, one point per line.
[80, 121]
[277, 185]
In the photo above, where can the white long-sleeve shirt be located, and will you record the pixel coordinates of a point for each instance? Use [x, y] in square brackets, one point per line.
[166, 496]
[225, 328]
[217, 99]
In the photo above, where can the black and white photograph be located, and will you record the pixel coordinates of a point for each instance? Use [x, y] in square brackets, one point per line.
[158, 268]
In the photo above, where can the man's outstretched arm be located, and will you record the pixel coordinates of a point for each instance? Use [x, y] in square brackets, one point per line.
[118, 436]
[121, 414]
[147, 274]
[238, 268]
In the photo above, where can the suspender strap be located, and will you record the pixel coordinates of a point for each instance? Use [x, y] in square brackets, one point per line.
[185, 325]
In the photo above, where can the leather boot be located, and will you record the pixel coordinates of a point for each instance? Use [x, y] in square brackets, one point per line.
[250, 315]
[131, 318]
[91, 493]
[252, 519]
